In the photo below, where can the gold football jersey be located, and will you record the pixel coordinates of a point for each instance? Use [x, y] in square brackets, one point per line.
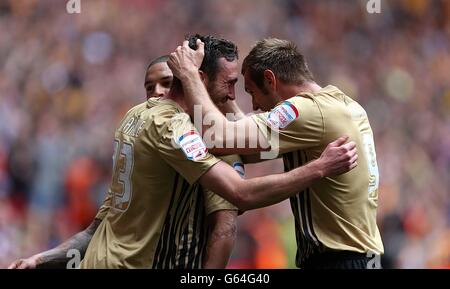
[154, 212]
[335, 213]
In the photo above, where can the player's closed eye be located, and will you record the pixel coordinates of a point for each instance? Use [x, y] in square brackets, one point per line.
[232, 82]
[167, 84]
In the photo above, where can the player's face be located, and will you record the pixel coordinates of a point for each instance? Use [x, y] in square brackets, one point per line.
[158, 80]
[261, 98]
[222, 88]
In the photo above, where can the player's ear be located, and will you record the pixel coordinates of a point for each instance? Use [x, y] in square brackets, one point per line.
[270, 79]
[204, 77]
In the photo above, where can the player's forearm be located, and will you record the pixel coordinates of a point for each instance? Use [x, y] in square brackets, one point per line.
[221, 239]
[265, 191]
[57, 257]
[223, 132]
[218, 252]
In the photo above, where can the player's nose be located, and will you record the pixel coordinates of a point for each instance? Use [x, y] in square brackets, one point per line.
[231, 94]
[159, 91]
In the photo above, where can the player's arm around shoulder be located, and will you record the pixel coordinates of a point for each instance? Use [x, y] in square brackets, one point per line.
[246, 194]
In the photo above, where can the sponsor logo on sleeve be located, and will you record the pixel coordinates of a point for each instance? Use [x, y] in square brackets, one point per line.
[193, 146]
[282, 115]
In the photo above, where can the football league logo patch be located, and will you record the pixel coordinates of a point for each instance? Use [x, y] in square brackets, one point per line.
[282, 115]
[193, 146]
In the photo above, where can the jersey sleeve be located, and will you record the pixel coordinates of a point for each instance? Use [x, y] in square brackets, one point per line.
[180, 145]
[214, 202]
[294, 124]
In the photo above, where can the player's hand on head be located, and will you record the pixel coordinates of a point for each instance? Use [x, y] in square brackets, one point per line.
[185, 60]
[199, 53]
[339, 157]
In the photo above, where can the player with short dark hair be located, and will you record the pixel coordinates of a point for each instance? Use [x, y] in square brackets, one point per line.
[158, 77]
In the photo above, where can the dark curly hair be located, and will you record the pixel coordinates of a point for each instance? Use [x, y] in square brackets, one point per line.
[215, 48]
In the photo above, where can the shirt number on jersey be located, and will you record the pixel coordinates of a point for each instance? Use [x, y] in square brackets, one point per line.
[369, 152]
[123, 160]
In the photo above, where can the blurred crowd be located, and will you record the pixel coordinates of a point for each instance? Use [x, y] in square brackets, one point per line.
[67, 79]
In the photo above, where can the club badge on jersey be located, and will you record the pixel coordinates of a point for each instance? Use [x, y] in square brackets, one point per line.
[282, 115]
[193, 146]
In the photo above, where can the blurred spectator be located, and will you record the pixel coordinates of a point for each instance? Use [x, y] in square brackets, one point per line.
[67, 79]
